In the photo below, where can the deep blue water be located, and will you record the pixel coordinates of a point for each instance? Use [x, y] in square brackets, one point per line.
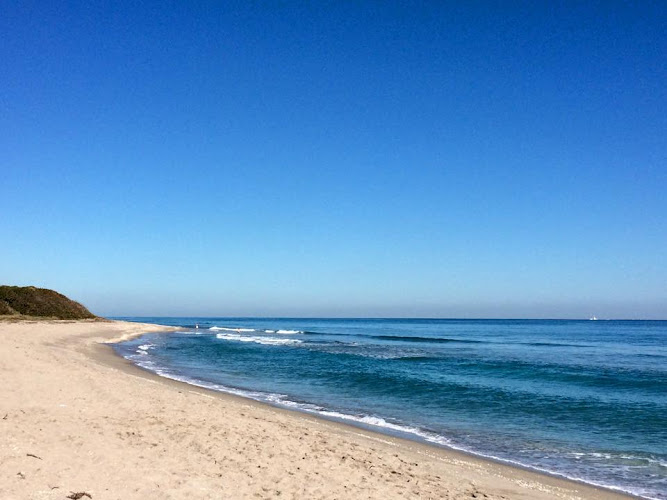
[583, 399]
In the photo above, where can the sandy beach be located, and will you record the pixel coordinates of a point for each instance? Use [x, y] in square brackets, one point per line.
[76, 418]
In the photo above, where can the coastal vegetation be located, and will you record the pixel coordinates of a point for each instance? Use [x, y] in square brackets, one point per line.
[27, 302]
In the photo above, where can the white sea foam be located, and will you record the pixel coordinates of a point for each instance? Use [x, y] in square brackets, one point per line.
[226, 329]
[615, 457]
[257, 340]
[143, 349]
[249, 330]
[375, 421]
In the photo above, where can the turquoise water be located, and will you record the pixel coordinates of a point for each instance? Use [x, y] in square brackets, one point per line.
[582, 399]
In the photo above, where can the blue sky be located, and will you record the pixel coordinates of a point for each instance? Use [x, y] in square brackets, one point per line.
[444, 159]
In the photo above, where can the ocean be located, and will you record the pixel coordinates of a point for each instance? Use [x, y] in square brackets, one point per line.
[586, 400]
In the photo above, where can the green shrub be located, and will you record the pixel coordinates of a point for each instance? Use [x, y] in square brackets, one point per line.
[31, 301]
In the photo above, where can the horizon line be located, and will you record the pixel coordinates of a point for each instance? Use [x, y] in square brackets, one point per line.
[390, 318]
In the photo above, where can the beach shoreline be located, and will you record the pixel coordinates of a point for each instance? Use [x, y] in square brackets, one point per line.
[256, 449]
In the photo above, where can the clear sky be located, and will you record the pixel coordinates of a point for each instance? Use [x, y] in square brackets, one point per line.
[432, 159]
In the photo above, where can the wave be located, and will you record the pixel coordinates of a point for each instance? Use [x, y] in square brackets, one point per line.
[257, 340]
[283, 332]
[443, 340]
[144, 348]
[651, 460]
[552, 344]
[417, 358]
[250, 330]
[435, 340]
[226, 329]
[648, 355]
[401, 338]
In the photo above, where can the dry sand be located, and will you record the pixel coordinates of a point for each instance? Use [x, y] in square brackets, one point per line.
[76, 418]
